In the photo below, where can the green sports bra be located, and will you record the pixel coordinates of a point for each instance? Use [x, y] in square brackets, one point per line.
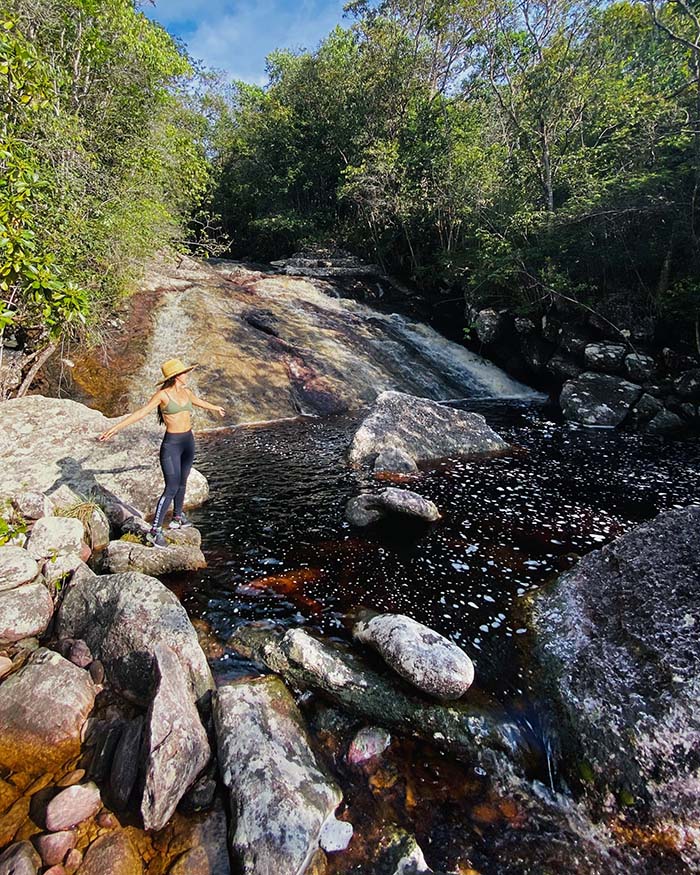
[174, 407]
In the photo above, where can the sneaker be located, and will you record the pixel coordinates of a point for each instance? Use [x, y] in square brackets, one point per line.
[156, 538]
[179, 522]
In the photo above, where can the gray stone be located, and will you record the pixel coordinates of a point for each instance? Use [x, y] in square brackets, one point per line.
[33, 505]
[606, 357]
[363, 510]
[125, 763]
[24, 611]
[395, 461]
[72, 806]
[422, 430]
[53, 847]
[646, 409]
[16, 567]
[112, 854]
[55, 536]
[176, 746]
[370, 742]
[60, 567]
[688, 385]
[20, 859]
[640, 368]
[421, 656]
[335, 835]
[366, 509]
[279, 796]
[123, 472]
[598, 399]
[11, 365]
[665, 422]
[489, 326]
[563, 367]
[122, 556]
[618, 640]
[122, 618]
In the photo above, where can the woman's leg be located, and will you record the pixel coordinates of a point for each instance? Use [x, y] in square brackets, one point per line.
[186, 462]
[170, 463]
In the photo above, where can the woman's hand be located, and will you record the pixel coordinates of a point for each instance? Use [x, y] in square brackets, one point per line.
[220, 411]
[106, 435]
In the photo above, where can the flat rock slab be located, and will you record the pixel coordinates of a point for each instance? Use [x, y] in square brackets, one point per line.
[280, 796]
[176, 746]
[598, 399]
[72, 806]
[43, 707]
[426, 659]
[16, 567]
[112, 854]
[47, 443]
[126, 556]
[618, 639]
[420, 430]
[123, 618]
[54, 536]
[24, 611]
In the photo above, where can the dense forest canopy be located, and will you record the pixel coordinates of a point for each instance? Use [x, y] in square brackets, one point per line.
[504, 150]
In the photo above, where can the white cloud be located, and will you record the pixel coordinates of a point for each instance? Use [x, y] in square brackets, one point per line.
[237, 36]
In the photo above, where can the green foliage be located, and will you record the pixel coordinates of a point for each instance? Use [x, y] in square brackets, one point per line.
[12, 523]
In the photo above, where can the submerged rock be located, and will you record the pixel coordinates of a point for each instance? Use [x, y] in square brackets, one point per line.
[366, 509]
[123, 556]
[598, 399]
[429, 661]
[421, 430]
[280, 797]
[123, 618]
[370, 742]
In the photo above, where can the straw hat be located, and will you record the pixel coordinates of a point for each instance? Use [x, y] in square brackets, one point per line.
[173, 368]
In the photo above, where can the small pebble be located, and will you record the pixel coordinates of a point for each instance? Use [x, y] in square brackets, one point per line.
[74, 777]
[97, 672]
[107, 820]
[56, 870]
[72, 806]
[79, 654]
[54, 846]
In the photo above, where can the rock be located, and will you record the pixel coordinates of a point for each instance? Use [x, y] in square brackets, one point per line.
[280, 797]
[665, 422]
[535, 352]
[422, 430]
[125, 764]
[618, 639]
[370, 742]
[33, 505]
[73, 777]
[335, 835]
[640, 368]
[189, 536]
[562, 367]
[98, 529]
[124, 472]
[688, 385]
[489, 326]
[55, 536]
[201, 843]
[24, 611]
[122, 618]
[192, 862]
[5, 666]
[97, 672]
[19, 859]
[11, 365]
[43, 706]
[56, 870]
[61, 566]
[112, 854]
[421, 656]
[53, 847]
[366, 509]
[16, 567]
[598, 399]
[176, 745]
[401, 854]
[72, 806]
[122, 556]
[606, 357]
[79, 654]
[73, 860]
[689, 411]
[395, 461]
[363, 510]
[646, 409]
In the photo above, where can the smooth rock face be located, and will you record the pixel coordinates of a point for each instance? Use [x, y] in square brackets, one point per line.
[618, 639]
[16, 567]
[55, 536]
[72, 806]
[176, 743]
[112, 854]
[421, 430]
[421, 656]
[24, 611]
[279, 796]
[366, 509]
[125, 556]
[53, 847]
[19, 859]
[598, 399]
[122, 618]
[123, 471]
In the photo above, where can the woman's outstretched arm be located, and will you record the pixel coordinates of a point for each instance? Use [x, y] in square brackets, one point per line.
[205, 405]
[133, 417]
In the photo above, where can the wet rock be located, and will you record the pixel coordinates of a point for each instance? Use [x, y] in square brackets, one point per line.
[640, 368]
[562, 367]
[55, 536]
[370, 742]
[176, 746]
[20, 859]
[689, 411]
[122, 556]
[422, 430]
[33, 505]
[189, 536]
[122, 620]
[72, 806]
[192, 862]
[688, 385]
[335, 835]
[125, 763]
[24, 611]
[489, 325]
[618, 638]
[74, 777]
[16, 567]
[280, 797]
[363, 510]
[366, 509]
[606, 357]
[646, 409]
[112, 854]
[598, 399]
[105, 739]
[201, 842]
[56, 870]
[54, 847]
[401, 854]
[665, 422]
[395, 461]
[421, 656]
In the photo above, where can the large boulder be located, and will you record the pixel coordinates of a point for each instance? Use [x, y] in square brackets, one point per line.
[16, 567]
[43, 707]
[25, 611]
[280, 797]
[54, 536]
[128, 556]
[607, 357]
[421, 430]
[598, 399]
[176, 745]
[427, 660]
[123, 618]
[365, 509]
[618, 639]
[47, 443]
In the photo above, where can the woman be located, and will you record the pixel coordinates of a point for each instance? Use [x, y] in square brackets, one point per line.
[174, 402]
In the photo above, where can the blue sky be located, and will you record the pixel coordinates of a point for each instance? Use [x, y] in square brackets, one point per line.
[237, 35]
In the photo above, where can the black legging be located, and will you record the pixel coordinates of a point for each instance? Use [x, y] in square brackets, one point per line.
[176, 458]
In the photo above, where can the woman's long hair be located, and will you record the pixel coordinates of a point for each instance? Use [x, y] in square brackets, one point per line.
[168, 384]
